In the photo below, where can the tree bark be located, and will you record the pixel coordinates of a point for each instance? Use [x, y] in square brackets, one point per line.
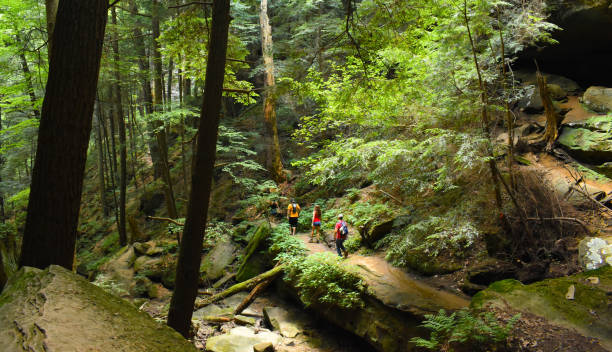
[63, 137]
[553, 119]
[51, 10]
[122, 135]
[274, 164]
[160, 133]
[187, 271]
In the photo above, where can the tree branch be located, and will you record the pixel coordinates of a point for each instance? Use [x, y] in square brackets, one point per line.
[191, 3]
[165, 219]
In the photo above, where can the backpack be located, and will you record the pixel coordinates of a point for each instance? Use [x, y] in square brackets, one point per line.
[344, 230]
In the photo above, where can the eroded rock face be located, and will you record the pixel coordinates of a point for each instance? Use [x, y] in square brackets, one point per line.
[214, 262]
[598, 99]
[589, 313]
[61, 311]
[588, 141]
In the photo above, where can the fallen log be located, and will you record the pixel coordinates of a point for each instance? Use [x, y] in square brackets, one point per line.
[242, 286]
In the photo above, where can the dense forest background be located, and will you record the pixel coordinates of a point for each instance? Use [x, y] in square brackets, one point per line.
[430, 125]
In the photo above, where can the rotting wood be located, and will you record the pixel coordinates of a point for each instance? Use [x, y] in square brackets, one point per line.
[242, 286]
[251, 296]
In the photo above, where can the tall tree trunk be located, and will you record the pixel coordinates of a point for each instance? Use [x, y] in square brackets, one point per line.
[111, 123]
[274, 164]
[51, 10]
[509, 119]
[169, 85]
[2, 214]
[63, 136]
[147, 95]
[28, 80]
[187, 271]
[100, 149]
[160, 134]
[122, 137]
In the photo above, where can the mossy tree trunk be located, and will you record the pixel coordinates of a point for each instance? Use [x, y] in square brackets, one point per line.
[553, 119]
[63, 136]
[188, 268]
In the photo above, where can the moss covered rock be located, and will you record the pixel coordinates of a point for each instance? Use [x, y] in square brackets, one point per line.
[256, 259]
[56, 310]
[589, 140]
[598, 99]
[213, 264]
[590, 312]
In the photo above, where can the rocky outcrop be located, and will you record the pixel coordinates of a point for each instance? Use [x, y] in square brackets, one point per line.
[589, 312]
[598, 99]
[56, 310]
[588, 141]
[376, 229]
[213, 263]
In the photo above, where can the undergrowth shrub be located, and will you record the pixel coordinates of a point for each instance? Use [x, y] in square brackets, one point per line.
[321, 279]
[287, 248]
[432, 236]
[465, 331]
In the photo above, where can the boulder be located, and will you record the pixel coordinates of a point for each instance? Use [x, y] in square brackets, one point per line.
[588, 141]
[57, 310]
[598, 99]
[531, 102]
[241, 339]
[376, 229]
[216, 260]
[556, 92]
[490, 271]
[394, 305]
[589, 312]
[159, 269]
[528, 77]
[594, 252]
[150, 248]
[263, 347]
[287, 322]
[211, 310]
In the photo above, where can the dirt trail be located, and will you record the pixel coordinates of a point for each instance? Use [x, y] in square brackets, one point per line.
[393, 286]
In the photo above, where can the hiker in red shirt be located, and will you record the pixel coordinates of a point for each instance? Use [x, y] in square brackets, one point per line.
[341, 231]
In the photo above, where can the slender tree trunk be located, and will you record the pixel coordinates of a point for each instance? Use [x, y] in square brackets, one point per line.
[145, 81]
[63, 136]
[169, 85]
[111, 123]
[160, 134]
[509, 119]
[2, 214]
[121, 126]
[132, 138]
[274, 164]
[28, 80]
[100, 149]
[484, 113]
[51, 10]
[187, 271]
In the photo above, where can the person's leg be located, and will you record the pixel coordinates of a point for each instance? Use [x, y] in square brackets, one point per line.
[343, 249]
[338, 246]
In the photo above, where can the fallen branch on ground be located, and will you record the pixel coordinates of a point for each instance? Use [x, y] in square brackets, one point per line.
[242, 286]
[251, 296]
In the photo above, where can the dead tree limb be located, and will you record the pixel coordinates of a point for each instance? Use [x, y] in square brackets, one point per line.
[165, 219]
[191, 3]
[242, 286]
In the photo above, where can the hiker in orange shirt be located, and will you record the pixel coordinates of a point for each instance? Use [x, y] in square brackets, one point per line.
[293, 213]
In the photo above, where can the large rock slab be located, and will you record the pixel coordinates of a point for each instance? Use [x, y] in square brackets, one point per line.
[598, 99]
[240, 339]
[590, 140]
[214, 262]
[288, 323]
[589, 313]
[56, 310]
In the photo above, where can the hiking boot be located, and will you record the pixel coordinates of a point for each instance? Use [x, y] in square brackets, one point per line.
[310, 240]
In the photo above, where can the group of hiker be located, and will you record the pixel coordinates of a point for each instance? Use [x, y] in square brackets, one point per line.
[293, 214]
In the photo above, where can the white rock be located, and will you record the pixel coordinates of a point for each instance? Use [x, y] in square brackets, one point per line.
[594, 253]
